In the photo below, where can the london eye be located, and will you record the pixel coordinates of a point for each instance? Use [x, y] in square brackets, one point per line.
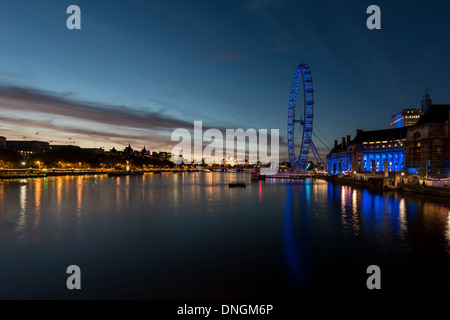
[302, 77]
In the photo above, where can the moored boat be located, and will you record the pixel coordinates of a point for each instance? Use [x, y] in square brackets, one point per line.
[237, 185]
[125, 173]
[256, 175]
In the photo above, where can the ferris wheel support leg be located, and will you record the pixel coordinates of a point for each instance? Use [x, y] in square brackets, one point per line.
[316, 154]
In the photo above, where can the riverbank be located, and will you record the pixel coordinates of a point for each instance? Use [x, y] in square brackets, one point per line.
[23, 174]
[386, 184]
[41, 174]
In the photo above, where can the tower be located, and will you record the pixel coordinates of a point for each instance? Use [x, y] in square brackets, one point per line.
[426, 102]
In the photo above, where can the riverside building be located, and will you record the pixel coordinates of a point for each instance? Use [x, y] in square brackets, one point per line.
[422, 148]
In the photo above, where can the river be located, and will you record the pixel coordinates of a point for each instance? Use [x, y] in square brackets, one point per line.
[190, 236]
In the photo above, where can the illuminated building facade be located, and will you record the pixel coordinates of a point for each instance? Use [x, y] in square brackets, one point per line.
[2, 143]
[409, 117]
[422, 148]
[57, 147]
[405, 118]
[27, 148]
[428, 143]
[369, 151]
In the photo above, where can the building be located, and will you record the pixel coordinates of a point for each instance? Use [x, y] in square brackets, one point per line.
[422, 148]
[58, 147]
[98, 151]
[427, 149]
[128, 151]
[405, 118]
[165, 155]
[425, 103]
[162, 155]
[409, 117]
[2, 142]
[145, 152]
[27, 148]
[369, 151]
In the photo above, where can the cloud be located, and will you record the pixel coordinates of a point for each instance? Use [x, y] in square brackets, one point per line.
[50, 125]
[60, 116]
[27, 99]
[82, 135]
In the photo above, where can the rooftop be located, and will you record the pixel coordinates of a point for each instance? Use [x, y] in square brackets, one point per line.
[381, 135]
[437, 113]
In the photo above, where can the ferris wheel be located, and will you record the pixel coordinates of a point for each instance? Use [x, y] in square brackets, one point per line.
[302, 74]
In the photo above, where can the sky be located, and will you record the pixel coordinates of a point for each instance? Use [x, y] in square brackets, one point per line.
[137, 70]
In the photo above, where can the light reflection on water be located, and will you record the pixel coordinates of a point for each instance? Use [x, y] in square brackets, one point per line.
[281, 231]
[291, 250]
[23, 208]
[448, 231]
[386, 219]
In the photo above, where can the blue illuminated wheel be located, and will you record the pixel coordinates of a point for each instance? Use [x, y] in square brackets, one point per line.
[303, 73]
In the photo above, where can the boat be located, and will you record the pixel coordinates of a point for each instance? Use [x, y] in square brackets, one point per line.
[22, 175]
[125, 173]
[237, 185]
[256, 175]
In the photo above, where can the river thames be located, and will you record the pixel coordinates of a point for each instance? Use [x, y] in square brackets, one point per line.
[190, 236]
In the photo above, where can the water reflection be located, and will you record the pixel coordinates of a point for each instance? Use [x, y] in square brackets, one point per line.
[388, 219]
[260, 191]
[447, 234]
[59, 187]
[2, 200]
[402, 218]
[298, 226]
[79, 191]
[127, 190]
[79, 195]
[21, 224]
[350, 210]
[37, 202]
[211, 196]
[178, 187]
[291, 251]
[117, 196]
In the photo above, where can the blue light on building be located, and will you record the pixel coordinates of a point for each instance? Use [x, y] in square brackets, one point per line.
[418, 143]
[395, 158]
[369, 151]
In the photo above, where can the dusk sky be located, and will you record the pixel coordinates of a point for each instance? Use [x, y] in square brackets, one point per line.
[137, 70]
